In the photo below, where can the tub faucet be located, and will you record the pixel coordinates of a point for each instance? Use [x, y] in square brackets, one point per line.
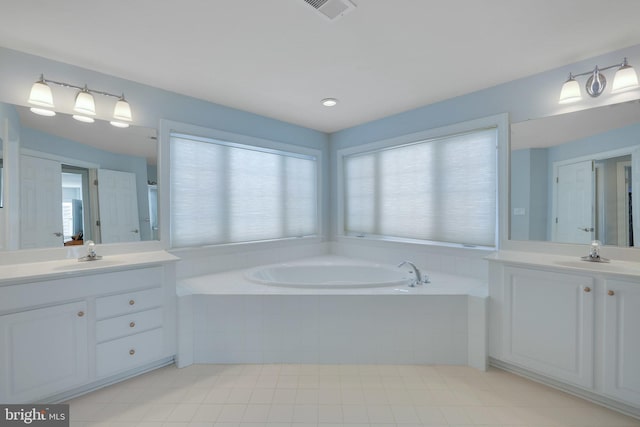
[419, 278]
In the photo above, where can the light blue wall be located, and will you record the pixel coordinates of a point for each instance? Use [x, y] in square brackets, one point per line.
[529, 192]
[527, 98]
[538, 217]
[10, 113]
[521, 194]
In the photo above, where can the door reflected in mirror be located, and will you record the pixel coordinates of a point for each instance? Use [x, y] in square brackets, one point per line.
[82, 181]
[573, 176]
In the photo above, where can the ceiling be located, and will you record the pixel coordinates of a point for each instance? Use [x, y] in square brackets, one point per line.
[279, 58]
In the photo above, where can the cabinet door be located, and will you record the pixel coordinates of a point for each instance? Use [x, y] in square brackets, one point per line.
[622, 340]
[43, 352]
[548, 324]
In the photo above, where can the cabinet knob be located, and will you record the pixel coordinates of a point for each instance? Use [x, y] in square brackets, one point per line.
[80, 313]
[132, 324]
[131, 302]
[587, 289]
[132, 352]
[611, 293]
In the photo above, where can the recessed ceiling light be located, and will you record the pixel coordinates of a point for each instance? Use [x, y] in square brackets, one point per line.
[329, 102]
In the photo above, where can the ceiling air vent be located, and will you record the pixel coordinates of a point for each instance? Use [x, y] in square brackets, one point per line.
[331, 9]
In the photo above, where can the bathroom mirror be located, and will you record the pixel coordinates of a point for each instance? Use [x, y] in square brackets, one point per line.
[575, 177]
[81, 181]
[1, 175]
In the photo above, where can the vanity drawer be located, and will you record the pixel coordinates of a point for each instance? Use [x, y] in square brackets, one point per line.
[128, 324]
[130, 302]
[128, 352]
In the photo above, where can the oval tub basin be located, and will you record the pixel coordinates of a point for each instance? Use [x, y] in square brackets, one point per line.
[328, 276]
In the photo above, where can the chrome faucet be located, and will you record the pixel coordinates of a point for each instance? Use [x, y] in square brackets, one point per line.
[91, 252]
[419, 277]
[594, 253]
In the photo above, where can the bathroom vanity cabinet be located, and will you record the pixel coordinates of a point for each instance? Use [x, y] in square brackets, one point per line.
[621, 340]
[44, 351]
[548, 323]
[573, 326]
[63, 333]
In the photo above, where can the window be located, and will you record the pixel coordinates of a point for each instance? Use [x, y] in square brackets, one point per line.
[441, 189]
[223, 192]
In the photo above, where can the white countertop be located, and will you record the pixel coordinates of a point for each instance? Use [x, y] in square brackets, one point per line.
[45, 270]
[567, 263]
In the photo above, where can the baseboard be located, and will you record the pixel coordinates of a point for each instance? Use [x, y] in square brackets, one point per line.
[575, 391]
[105, 382]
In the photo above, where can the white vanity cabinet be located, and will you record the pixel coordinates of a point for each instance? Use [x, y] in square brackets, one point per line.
[548, 323]
[43, 351]
[570, 324]
[66, 333]
[621, 343]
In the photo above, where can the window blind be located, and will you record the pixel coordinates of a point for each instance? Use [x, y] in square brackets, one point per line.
[439, 190]
[228, 193]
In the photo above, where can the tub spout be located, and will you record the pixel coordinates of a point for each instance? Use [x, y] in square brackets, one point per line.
[419, 277]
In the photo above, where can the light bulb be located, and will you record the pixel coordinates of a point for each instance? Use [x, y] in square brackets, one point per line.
[85, 103]
[570, 91]
[40, 94]
[625, 78]
[122, 111]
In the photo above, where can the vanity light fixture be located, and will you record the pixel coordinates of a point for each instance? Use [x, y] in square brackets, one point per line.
[41, 96]
[329, 102]
[84, 107]
[121, 113]
[624, 79]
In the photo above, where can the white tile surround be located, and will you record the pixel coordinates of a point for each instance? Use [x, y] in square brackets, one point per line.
[335, 396]
[329, 329]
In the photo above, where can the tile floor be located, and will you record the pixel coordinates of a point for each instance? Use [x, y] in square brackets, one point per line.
[335, 395]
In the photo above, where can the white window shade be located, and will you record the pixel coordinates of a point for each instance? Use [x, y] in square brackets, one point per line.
[229, 193]
[438, 190]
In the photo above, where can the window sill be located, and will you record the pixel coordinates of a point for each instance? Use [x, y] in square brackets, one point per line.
[388, 241]
[229, 248]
